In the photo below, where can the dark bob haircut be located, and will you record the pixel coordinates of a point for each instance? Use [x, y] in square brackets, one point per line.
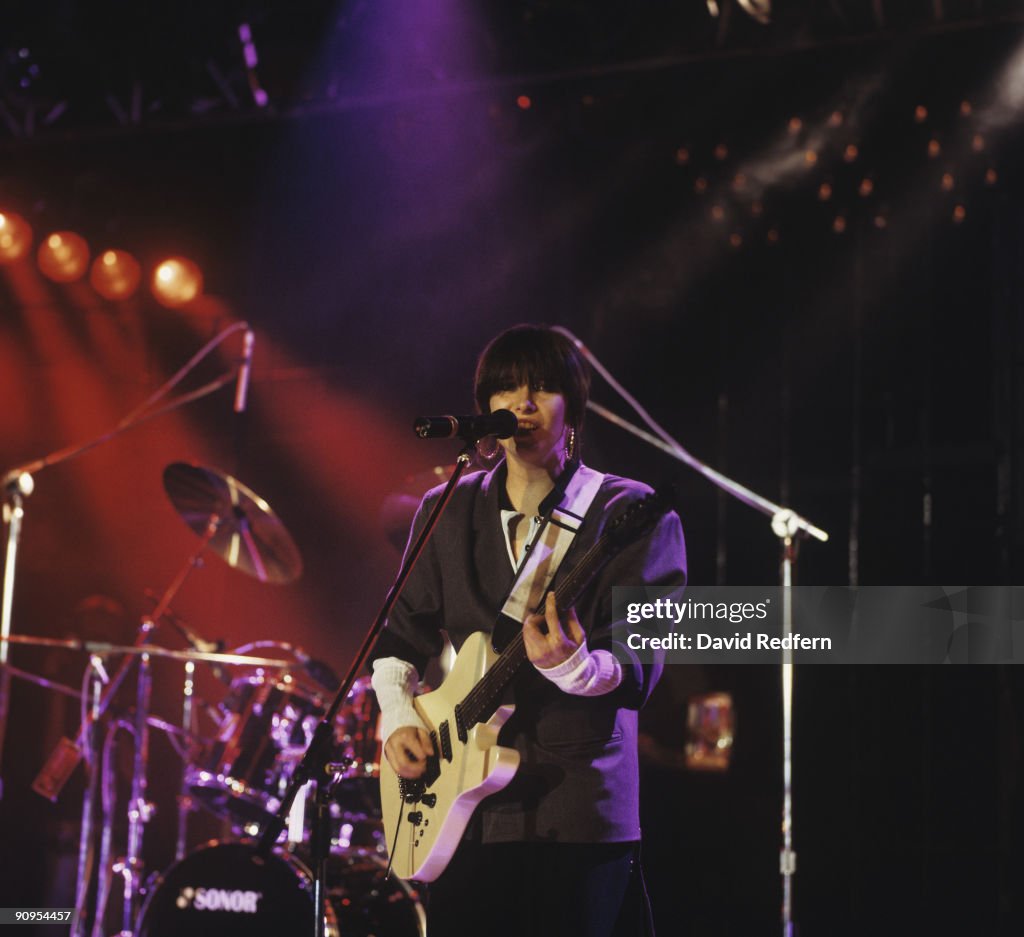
[540, 357]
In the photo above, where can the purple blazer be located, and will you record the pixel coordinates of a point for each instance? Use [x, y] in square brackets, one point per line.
[578, 776]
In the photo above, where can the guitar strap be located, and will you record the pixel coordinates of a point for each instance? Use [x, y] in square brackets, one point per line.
[550, 544]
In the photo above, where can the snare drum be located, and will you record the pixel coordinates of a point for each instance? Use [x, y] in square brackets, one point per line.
[267, 724]
[219, 891]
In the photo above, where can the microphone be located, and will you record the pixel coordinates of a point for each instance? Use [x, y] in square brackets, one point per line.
[242, 387]
[500, 423]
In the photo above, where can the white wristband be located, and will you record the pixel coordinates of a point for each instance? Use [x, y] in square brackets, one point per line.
[395, 682]
[586, 673]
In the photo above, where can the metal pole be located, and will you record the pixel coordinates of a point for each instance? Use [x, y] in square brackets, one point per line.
[787, 856]
[185, 797]
[85, 837]
[14, 511]
[139, 809]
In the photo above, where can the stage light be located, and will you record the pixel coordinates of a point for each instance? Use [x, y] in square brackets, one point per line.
[959, 213]
[759, 10]
[176, 281]
[850, 153]
[63, 257]
[115, 274]
[934, 148]
[920, 114]
[839, 224]
[866, 187]
[15, 237]
[825, 191]
[947, 182]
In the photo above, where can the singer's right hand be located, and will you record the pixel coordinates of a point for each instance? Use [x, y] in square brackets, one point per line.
[407, 750]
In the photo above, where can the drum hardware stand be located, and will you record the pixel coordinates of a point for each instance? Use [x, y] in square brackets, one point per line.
[139, 811]
[17, 487]
[788, 527]
[316, 765]
[185, 798]
[18, 484]
[96, 676]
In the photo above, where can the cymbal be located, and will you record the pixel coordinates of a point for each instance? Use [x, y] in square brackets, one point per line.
[105, 647]
[250, 537]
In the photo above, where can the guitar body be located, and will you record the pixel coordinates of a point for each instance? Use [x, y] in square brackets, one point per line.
[424, 826]
[424, 819]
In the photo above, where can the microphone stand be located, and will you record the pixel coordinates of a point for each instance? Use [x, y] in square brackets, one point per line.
[18, 484]
[316, 764]
[789, 527]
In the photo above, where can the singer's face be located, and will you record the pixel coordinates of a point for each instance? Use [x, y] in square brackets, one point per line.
[540, 438]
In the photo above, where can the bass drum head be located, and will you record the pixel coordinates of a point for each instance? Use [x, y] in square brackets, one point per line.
[219, 891]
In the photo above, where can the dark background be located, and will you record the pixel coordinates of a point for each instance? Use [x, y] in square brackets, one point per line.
[646, 175]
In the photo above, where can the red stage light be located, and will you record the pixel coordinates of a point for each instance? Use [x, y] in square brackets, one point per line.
[115, 274]
[176, 281]
[15, 237]
[63, 257]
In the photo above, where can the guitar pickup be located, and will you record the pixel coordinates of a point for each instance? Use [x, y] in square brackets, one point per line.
[460, 726]
[446, 741]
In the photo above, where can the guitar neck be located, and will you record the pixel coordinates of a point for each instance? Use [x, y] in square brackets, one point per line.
[481, 702]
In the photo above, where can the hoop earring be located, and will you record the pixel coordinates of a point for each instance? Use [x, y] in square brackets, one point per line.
[570, 444]
[487, 448]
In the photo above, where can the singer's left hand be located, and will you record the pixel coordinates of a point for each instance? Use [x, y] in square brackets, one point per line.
[555, 643]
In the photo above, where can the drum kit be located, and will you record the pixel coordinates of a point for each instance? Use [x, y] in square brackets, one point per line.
[275, 697]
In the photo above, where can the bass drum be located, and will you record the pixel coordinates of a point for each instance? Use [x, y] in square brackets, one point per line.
[220, 891]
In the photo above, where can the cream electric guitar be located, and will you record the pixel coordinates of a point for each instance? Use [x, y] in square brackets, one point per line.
[424, 819]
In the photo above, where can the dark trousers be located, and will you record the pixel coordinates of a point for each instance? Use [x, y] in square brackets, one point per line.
[540, 890]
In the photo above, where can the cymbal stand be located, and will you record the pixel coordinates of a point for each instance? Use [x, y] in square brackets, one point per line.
[185, 795]
[18, 483]
[17, 488]
[95, 677]
[139, 809]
